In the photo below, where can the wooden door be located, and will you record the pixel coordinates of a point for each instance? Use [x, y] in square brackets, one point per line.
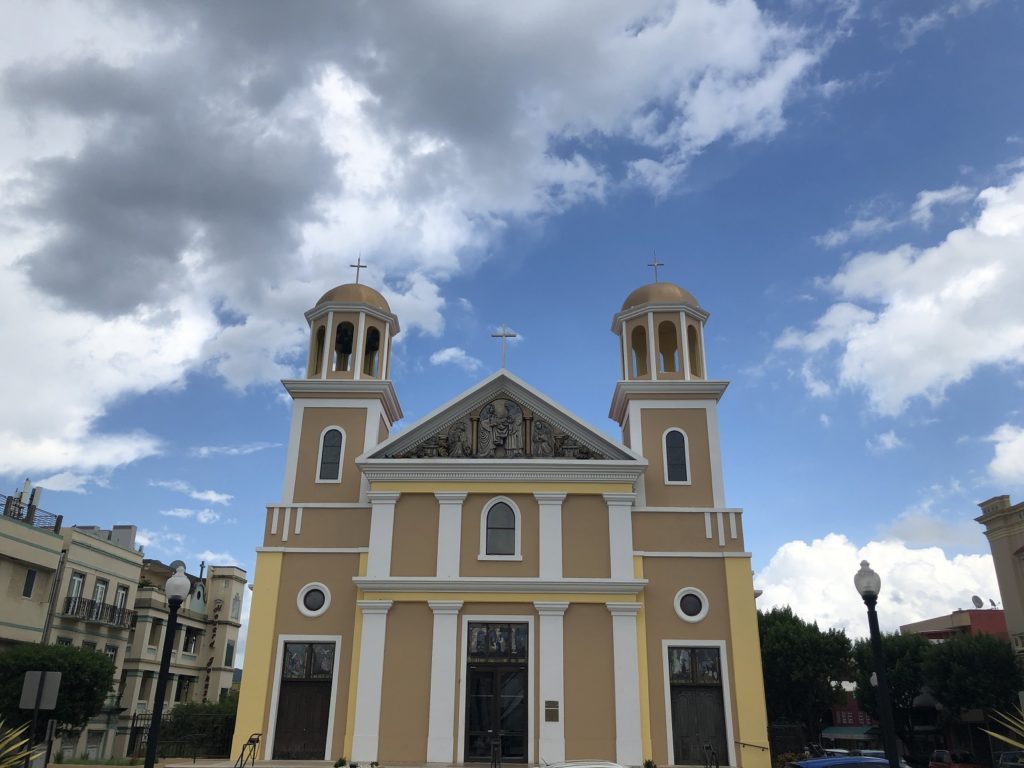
[698, 706]
[304, 701]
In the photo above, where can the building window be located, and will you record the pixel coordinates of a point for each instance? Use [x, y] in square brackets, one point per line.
[343, 347]
[332, 448]
[691, 604]
[236, 607]
[30, 582]
[111, 651]
[229, 653]
[64, 641]
[99, 592]
[676, 457]
[500, 531]
[90, 644]
[77, 585]
[191, 640]
[313, 599]
[121, 597]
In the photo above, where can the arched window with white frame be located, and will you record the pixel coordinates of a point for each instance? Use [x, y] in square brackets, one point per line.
[501, 530]
[676, 456]
[331, 453]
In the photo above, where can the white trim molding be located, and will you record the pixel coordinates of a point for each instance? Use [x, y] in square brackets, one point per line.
[268, 746]
[301, 596]
[517, 553]
[449, 533]
[550, 529]
[686, 456]
[704, 605]
[443, 660]
[552, 679]
[366, 726]
[501, 585]
[320, 455]
[626, 665]
[723, 658]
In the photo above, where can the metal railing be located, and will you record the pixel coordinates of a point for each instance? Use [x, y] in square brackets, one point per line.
[102, 613]
[31, 514]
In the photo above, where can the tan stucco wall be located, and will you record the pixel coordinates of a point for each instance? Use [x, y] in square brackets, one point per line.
[321, 527]
[589, 708]
[414, 540]
[336, 572]
[314, 421]
[585, 547]
[682, 532]
[405, 689]
[470, 550]
[693, 421]
[666, 577]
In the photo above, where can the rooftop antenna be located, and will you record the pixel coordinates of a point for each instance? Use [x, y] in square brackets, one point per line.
[503, 334]
[358, 266]
[656, 264]
[977, 601]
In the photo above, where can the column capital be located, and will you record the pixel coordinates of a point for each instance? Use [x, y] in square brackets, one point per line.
[550, 609]
[384, 496]
[619, 499]
[374, 606]
[550, 498]
[623, 609]
[451, 497]
[445, 607]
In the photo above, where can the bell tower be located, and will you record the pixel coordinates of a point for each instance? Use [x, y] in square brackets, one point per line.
[346, 403]
[665, 403]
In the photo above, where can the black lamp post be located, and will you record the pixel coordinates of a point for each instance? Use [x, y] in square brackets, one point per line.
[176, 589]
[869, 584]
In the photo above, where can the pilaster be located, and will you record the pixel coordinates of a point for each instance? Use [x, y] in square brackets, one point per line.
[550, 534]
[628, 749]
[620, 533]
[444, 655]
[449, 533]
[552, 681]
[382, 524]
[366, 726]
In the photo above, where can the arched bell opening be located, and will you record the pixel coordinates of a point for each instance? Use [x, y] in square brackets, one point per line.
[343, 347]
[638, 348]
[693, 349]
[371, 355]
[668, 347]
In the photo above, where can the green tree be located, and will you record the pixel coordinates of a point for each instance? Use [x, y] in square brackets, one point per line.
[86, 679]
[802, 667]
[972, 672]
[904, 660]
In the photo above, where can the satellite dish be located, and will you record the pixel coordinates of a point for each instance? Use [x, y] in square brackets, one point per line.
[977, 601]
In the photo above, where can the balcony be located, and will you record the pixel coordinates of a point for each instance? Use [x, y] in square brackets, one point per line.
[99, 613]
[29, 514]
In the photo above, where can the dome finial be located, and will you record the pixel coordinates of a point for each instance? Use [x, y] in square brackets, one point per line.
[358, 266]
[656, 264]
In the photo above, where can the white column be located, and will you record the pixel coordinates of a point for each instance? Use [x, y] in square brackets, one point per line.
[366, 729]
[552, 681]
[357, 351]
[550, 535]
[449, 533]
[620, 533]
[328, 343]
[443, 656]
[651, 346]
[382, 524]
[628, 750]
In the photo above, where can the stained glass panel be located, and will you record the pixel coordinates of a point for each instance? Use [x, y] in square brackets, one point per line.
[296, 656]
[323, 661]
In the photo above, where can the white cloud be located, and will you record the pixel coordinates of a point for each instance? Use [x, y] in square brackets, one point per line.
[1007, 465]
[207, 516]
[456, 356]
[912, 322]
[165, 543]
[921, 212]
[858, 228]
[816, 580]
[179, 512]
[913, 28]
[825, 420]
[206, 451]
[180, 486]
[65, 481]
[216, 558]
[204, 516]
[884, 442]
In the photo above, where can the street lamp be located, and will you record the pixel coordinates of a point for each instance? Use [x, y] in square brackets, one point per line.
[869, 584]
[176, 589]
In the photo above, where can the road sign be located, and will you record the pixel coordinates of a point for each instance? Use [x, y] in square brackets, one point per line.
[39, 691]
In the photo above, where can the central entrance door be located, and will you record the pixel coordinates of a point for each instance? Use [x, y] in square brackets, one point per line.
[698, 706]
[304, 701]
[497, 684]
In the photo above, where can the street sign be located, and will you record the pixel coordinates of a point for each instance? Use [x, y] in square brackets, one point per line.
[39, 691]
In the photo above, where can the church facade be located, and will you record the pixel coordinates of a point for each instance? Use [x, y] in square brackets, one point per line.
[500, 575]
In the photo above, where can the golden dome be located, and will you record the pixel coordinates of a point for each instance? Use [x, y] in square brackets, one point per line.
[659, 293]
[355, 293]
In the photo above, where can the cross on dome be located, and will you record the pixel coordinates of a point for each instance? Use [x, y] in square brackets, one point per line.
[656, 264]
[358, 266]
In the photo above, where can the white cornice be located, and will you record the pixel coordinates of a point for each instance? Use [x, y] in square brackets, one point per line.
[507, 470]
[502, 585]
[632, 390]
[385, 390]
[657, 306]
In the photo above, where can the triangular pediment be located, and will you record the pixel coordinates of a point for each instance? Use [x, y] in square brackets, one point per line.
[501, 418]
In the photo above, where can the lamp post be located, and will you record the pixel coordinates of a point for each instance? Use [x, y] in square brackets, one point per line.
[176, 589]
[869, 584]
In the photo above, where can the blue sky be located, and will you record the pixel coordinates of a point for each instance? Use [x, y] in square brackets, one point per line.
[840, 184]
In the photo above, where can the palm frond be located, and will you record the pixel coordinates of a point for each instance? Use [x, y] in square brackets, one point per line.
[1013, 722]
[15, 747]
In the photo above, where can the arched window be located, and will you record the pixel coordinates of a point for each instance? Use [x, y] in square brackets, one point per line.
[500, 531]
[668, 347]
[332, 443]
[318, 352]
[638, 340]
[343, 347]
[677, 458]
[694, 349]
[371, 358]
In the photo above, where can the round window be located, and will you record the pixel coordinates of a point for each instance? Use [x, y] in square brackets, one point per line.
[313, 599]
[691, 604]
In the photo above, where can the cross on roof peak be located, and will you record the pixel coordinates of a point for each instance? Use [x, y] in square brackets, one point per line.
[504, 333]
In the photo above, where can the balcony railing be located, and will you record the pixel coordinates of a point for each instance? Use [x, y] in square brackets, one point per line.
[31, 514]
[101, 613]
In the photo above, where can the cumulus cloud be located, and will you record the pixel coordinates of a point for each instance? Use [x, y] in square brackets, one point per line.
[164, 543]
[165, 167]
[921, 212]
[65, 481]
[204, 516]
[455, 356]
[1007, 465]
[911, 322]
[816, 579]
[884, 442]
[180, 486]
[216, 558]
[858, 228]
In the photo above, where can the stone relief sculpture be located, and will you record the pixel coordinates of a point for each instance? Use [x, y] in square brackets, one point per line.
[501, 430]
[543, 440]
[458, 441]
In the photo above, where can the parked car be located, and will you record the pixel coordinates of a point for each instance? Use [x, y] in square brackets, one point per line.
[846, 761]
[952, 758]
[881, 753]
